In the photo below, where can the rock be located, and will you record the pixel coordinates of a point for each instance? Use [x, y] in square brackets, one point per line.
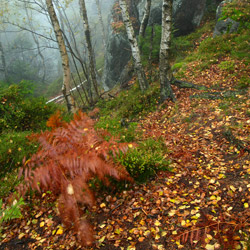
[187, 15]
[224, 26]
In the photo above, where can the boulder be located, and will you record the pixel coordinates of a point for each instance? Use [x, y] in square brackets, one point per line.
[224, 26]
[187, 15]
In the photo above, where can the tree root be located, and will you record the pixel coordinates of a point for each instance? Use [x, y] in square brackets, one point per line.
[184, 84]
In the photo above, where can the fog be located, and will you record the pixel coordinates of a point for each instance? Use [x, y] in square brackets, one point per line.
[28, 49]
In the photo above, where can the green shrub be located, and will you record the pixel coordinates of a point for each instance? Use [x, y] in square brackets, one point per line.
[118, 115]
[146, 160]
[13, 147]
[239, 11]
[226, 65]
[20, 113]
[116, 128]
[145, 44]
[8, 183]
[244, 82]
[10, 212]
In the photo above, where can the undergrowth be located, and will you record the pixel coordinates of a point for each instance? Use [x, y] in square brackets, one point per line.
[119, 115]
[145, 160]
[68, 158]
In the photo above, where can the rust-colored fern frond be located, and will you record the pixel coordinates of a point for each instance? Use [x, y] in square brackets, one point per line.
[68, 157]
[55, 121]
[225, 231]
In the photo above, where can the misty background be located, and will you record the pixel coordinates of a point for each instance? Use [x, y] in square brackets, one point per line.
[28, 46]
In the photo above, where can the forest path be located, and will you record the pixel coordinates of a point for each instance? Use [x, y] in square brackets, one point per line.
[202, 204]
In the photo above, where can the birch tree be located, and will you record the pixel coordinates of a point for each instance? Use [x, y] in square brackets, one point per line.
[91, 55]
[145, 18]
[165, 69]
[64, 55]
[134, 46]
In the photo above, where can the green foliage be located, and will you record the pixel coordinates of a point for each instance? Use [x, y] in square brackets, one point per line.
[146, 160]
[117, 115]
[244, 82]
[13, 147]
[226, 65]
[8, 183]
[239, 11]
[20, 113]
[10, 212]
[115, 127]
[145, 43]
[132, 103]
[181, 46]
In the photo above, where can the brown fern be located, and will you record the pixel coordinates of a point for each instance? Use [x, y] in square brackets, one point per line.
[225, 232]
[55, 121]
[67, 159]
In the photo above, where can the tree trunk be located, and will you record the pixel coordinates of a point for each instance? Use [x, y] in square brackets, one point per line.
[101, 22]
[2, 57]
[165, 69]
[134, 46]
[65, 59]
[145, 18]
[93, 71]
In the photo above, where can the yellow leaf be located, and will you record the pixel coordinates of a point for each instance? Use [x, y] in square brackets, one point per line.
[233, 188]
[213, 198]
[172, 213]
[157, 236]
[130, 145]
[157, 223]
[246, 205]
[102, 205]
[183, 223]
[20, 236]
[102, 239]
[42, 224]
[209, 247]
[59, 231]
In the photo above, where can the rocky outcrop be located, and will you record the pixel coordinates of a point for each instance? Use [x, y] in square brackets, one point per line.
[187, 16]
[224, 26]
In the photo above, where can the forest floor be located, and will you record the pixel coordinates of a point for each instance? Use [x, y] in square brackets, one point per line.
[202, 204]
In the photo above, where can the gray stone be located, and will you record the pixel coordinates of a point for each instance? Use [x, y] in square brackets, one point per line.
[224, 26]
[187, 15]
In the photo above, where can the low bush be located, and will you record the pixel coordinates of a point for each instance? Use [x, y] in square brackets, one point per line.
[13, 147]
[145, 160]
[10, 212]
[19, 113]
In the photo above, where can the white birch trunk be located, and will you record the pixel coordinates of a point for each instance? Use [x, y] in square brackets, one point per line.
[64, 55]
[134, 46]
[165, 69]
[145, 18]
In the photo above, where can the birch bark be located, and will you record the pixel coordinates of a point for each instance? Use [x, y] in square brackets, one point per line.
[65, 59]
[134, 46]
[145, 18]
[165, 69]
